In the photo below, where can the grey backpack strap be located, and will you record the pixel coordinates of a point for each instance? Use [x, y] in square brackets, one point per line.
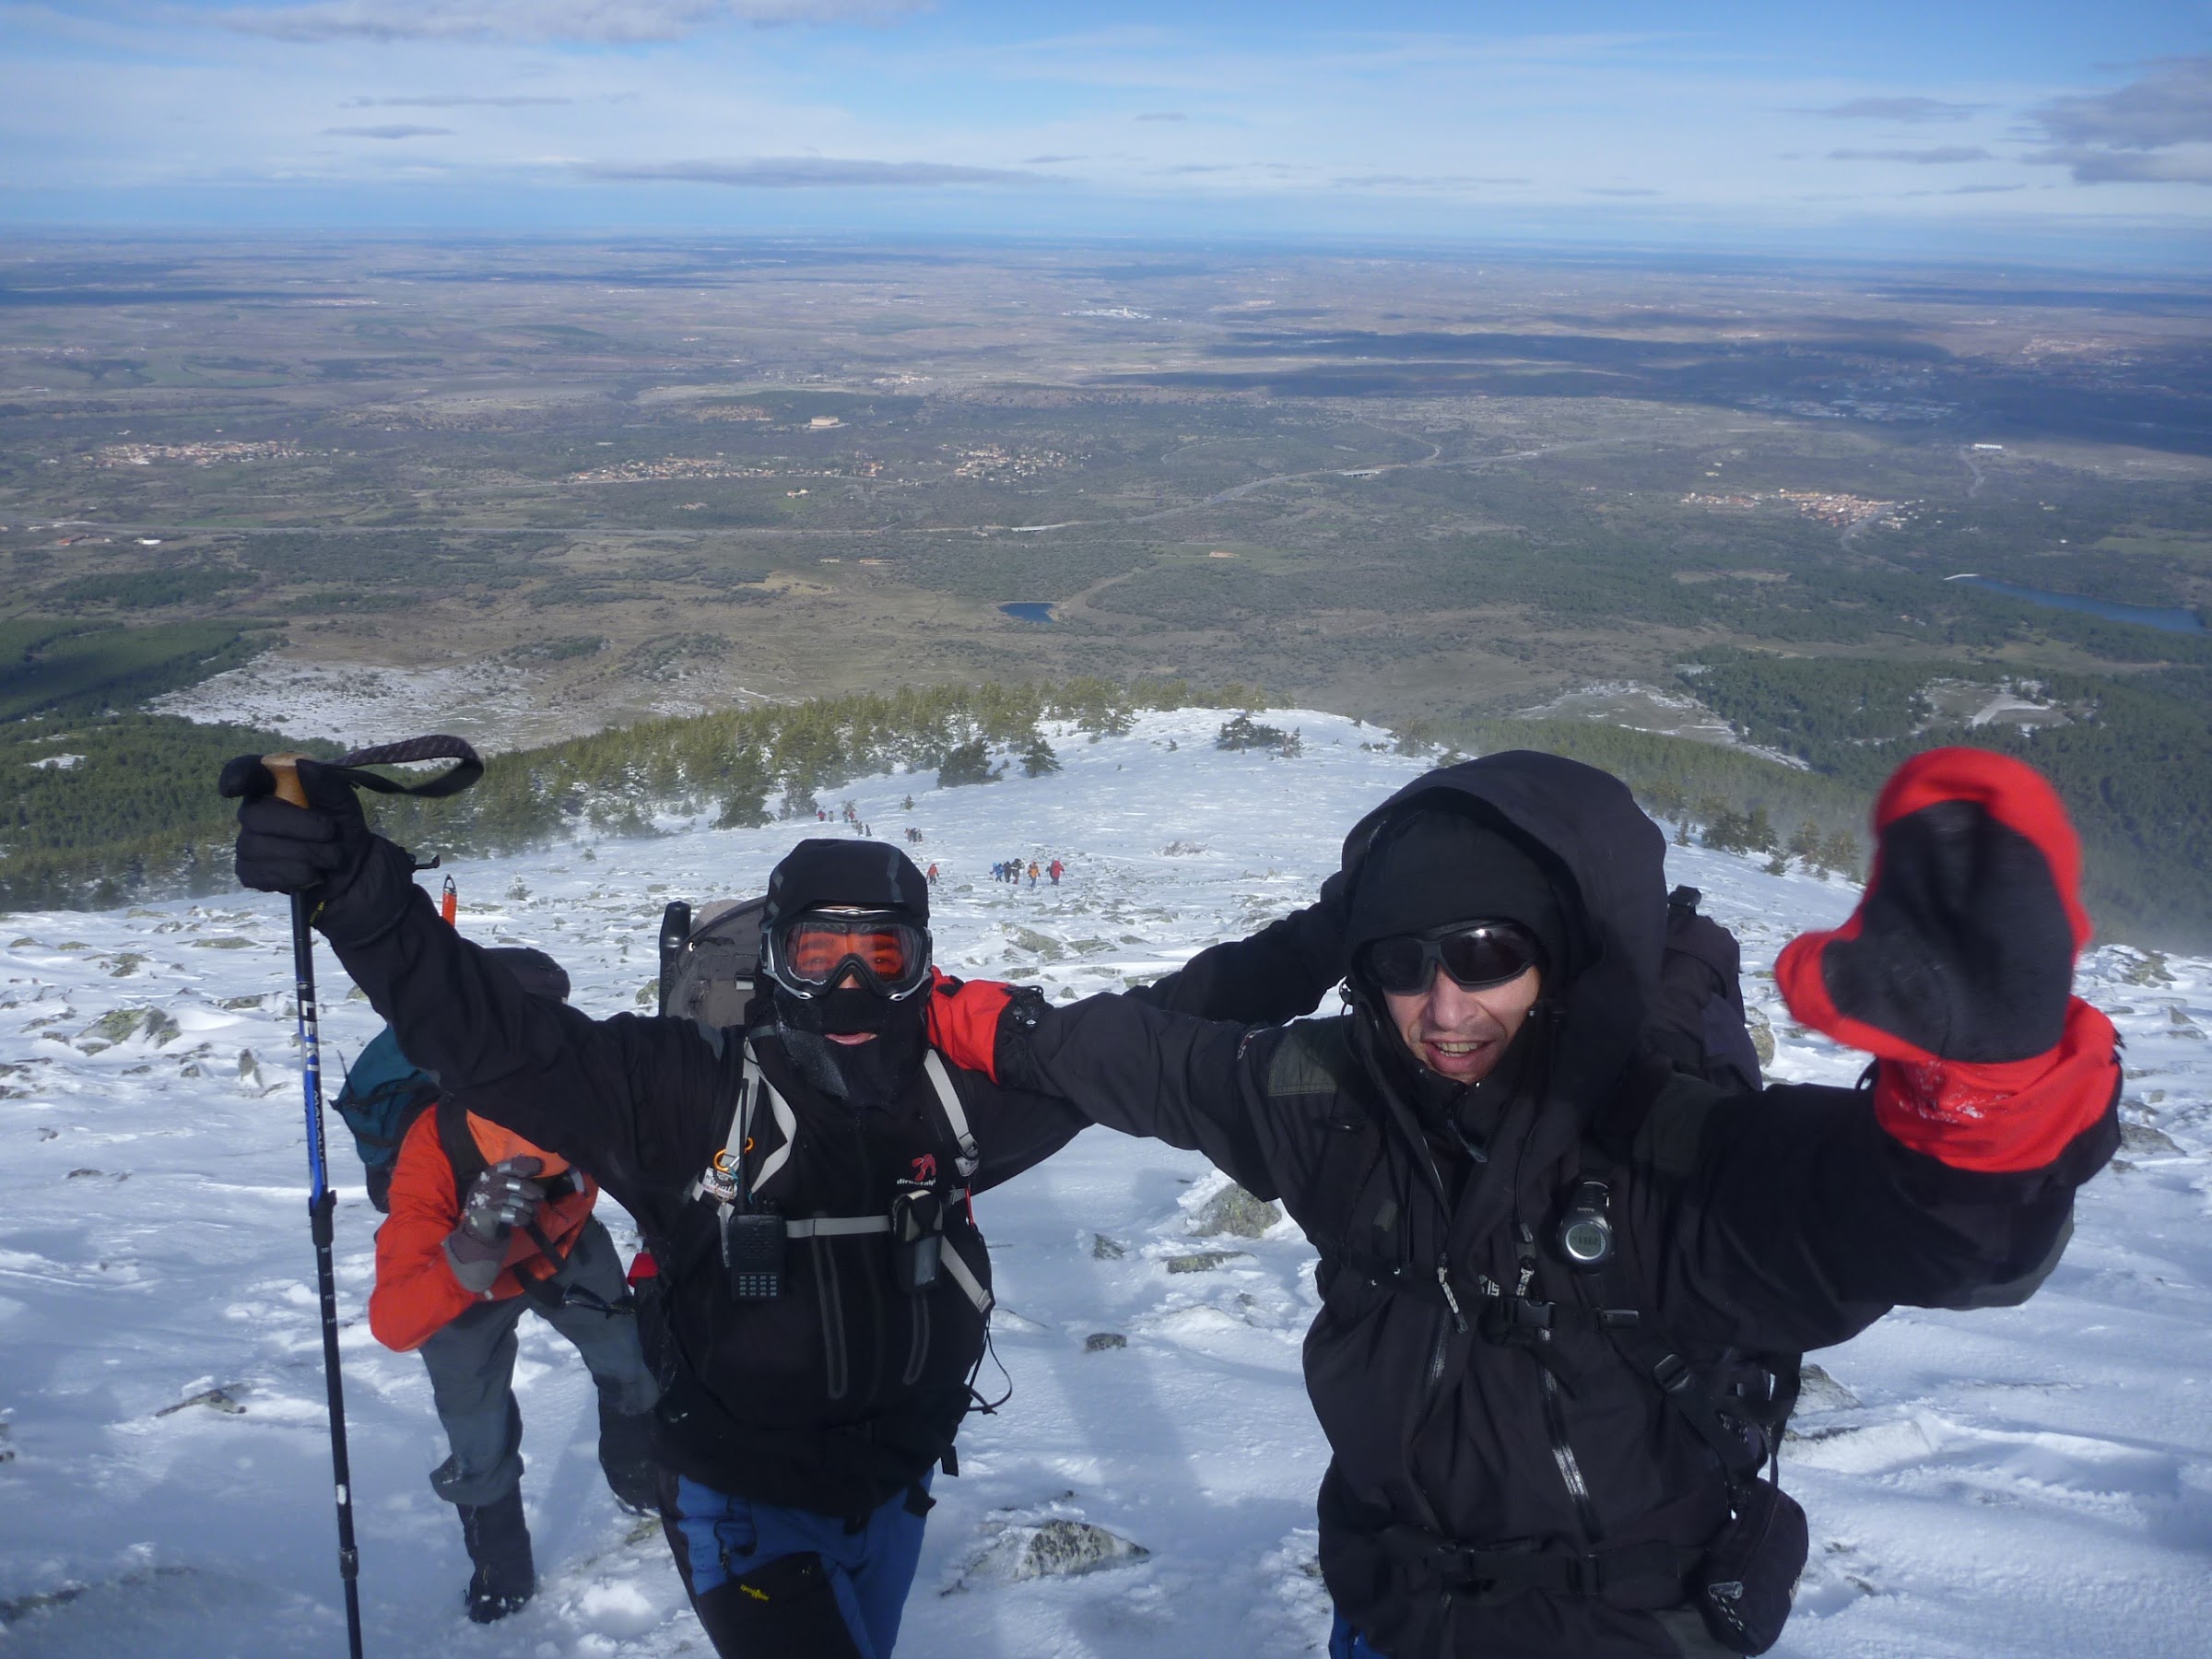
[970, 1157]
[720, 1180]
[970, 1286]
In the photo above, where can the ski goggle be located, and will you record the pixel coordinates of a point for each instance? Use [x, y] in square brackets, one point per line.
[1476, 955]
[813, 953]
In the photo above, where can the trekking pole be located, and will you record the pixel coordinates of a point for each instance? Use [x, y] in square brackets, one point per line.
[321, 1203]
[283, 781]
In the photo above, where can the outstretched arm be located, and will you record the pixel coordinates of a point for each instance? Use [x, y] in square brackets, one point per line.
[1192, 1083]
[1278, 974]
[1805, 1213]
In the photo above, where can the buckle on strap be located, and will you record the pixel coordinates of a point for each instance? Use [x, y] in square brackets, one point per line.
[1675, 1376]
[969, 1157]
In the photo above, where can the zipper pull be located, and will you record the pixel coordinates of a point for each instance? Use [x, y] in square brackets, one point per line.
[1443, 1283]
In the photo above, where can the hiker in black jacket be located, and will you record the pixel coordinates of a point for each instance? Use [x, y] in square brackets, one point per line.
[1547, 1259]
[801, 1182]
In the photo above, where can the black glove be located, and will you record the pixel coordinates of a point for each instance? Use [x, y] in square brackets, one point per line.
[317, 850]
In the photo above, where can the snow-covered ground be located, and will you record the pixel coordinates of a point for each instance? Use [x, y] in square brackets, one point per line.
[498, 704]
[2037, 1481]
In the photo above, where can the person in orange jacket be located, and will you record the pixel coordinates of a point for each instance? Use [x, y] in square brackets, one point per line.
[483, 1226]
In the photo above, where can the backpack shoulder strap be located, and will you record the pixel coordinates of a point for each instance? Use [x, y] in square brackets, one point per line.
[969, 1158]
[1314, 1057]
[754, 1092]
[462, 1153]
[1739, 1440]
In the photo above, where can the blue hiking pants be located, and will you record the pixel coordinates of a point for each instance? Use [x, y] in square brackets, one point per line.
[1348, 1643]
[768, 1583]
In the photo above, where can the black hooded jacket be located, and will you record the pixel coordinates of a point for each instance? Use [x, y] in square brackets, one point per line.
[1777, 1221]
[832, 1397]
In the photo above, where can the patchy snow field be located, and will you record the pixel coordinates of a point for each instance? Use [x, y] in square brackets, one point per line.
[2036, 1481]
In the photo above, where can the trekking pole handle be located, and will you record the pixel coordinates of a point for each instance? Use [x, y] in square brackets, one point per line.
[284, 768]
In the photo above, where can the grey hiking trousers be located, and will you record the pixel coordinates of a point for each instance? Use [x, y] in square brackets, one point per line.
[471, 1363]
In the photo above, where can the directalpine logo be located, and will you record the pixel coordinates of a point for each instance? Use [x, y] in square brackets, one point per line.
[925, 1168]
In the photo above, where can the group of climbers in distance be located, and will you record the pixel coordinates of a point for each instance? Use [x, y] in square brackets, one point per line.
[1013, 869]
[1568, 1247]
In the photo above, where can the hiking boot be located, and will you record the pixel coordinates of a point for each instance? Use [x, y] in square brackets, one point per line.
[499, 1543]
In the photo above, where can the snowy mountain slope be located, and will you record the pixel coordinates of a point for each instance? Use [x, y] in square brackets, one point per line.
[2034, 1481]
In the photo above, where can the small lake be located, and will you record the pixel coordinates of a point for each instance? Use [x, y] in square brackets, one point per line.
[1027, 610]
[2172, 618]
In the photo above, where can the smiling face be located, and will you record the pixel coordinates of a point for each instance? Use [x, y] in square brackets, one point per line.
[1461, 1034]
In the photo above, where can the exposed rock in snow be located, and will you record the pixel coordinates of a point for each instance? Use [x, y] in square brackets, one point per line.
[1237, 1214]
[1055, 1548]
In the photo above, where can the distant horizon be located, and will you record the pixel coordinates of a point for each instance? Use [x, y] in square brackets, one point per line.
[2160, 257]
[2030, 129]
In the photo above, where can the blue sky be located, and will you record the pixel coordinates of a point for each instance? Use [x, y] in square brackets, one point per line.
[1954, 126]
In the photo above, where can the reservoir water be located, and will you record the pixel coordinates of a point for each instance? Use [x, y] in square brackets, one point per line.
[2171, 619]
[1027, 610]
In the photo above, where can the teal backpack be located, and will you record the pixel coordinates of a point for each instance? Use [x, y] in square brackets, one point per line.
[383, 1094]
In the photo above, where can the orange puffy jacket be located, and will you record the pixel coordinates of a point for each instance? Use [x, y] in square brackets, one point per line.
[416, 1295]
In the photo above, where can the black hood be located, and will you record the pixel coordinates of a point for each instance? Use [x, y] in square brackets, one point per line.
[1607, 864]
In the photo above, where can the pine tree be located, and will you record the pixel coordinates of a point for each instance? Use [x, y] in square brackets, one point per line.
[1037, 759]
[968, 763]
[1804, 846]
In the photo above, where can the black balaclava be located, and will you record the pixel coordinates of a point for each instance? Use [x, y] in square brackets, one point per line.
[867, 875]
[1431, 868]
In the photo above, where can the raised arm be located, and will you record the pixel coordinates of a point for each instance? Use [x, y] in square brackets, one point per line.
[1949, 1181]
[610, 1096]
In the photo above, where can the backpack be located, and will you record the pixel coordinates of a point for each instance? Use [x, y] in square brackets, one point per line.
[709, 960]
[1698, 1021]
[383, 1093]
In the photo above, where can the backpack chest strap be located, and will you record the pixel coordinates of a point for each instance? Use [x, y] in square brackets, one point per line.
[723, 1180]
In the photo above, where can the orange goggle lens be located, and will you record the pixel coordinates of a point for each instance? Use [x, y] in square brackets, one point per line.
[815, 952]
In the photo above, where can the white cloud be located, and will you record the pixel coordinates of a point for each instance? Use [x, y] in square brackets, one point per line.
[453, 101]
[2157, 130]
[803, 172]
[1913, 110]
[388, 132]
[605, 21]
[1942, 155]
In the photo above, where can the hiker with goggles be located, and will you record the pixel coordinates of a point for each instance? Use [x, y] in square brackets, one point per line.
[1564, 1277]
[802, 1181]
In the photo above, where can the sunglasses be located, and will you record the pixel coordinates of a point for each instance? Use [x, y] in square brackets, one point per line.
[1476, 956]
[814, 953]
